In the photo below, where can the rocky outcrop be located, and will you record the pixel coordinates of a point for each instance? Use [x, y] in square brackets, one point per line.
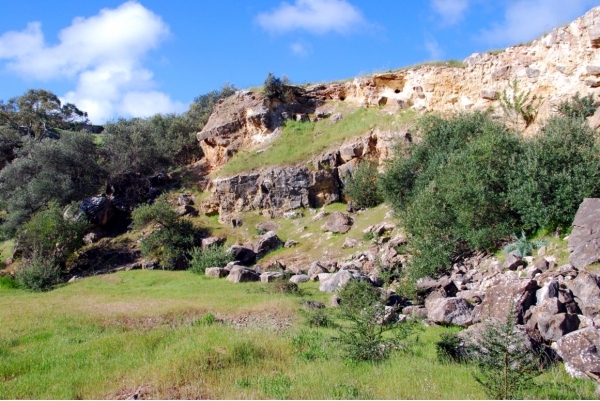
[585, 237]
[338, 222]
[579, 351]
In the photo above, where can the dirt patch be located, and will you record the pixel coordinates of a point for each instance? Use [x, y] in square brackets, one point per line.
[142, 392]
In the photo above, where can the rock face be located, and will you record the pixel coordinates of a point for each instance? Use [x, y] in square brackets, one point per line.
[579, 351]
[241, 274]
[338, 222]
[245, 256]
[585, 237]
[450, 311]
[498, 299]
[99, 210]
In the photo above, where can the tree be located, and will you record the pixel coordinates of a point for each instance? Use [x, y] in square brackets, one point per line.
[361, 185]
[202, 106]
[62, 171]
[275, 87]
[173, 236]
[38, 111]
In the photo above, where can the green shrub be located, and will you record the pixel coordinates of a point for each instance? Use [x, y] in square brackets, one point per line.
[207, 319]
[517, 105]
[282, 285]
[172, 237]
[361, 186]
[559, 168]
[213, 256]
[523, 246]
[578, 107]
[317, 317]
[450, 349]
[365, 335]
[40, 273]
[506, 366]
[8, 282]
[277, 87]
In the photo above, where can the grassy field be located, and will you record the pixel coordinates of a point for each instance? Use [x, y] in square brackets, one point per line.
[140, 331]
[6, 250]
[300, 141]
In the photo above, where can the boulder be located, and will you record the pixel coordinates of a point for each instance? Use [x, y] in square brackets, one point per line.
[185, 210]
[240, 274]
[267, 226]
[541, 264]
[290, 243]
[351, 151]
[268, 277]
[499, 297]
[556, 326]
[580, 351]
[216, 272]
[471, 296]
[585, 237]
[335, 281]
[338, 222]
[450, 311]
[415, 311]
[336, 117]
[184, 200]
[513, 261]
[349, 243]
[99, 210]
[315, 269]
[320, 216]
[299, 278]
[212, 241]
[586, 290]
[242, 254]
[489, 95]
[266, 244]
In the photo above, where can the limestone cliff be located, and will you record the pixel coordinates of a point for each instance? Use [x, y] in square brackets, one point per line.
[553, 67]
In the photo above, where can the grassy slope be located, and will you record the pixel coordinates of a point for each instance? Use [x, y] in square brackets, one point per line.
[300, 141]
[6, 250]
[107, 336]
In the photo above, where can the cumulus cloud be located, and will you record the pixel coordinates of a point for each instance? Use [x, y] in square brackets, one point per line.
[451, 11]
[314, 16]
[525, 20]
[103, 54]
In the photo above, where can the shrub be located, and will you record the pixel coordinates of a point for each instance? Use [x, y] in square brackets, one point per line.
[366, 335]
[213, 256]
[578, 107]
[277, 87]
[172, 238]
[559, 168]
[207, 319]
[506, 365]
[202, 106]
[523, 246]
[40, 273]
[517, 105]
[317, 317]
[450, 349]
[361, 185]
[281, 285]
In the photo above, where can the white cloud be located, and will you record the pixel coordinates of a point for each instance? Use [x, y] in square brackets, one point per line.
[525, 20]
[451, 11]
[301, 49]
[314, 16]
[104, 54]
[434, 49]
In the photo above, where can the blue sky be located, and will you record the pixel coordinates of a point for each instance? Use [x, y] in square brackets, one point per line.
[136, 58]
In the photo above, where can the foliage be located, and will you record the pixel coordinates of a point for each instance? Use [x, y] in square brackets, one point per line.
[37, 112]
[50, 235]
[578, 107]
[172, 237]
[275, 87]
[282, 285]
[317, 317]
[361, 185]
[309, 345]
[517, 105]
[62, 171]
[10, 142]
[450, 189]
[506, 365]
[213, 256]
[40, 273]
[559, 168]
[366, 335]
[205, 320]
[450, 349]
[202, 106]
[523, 246]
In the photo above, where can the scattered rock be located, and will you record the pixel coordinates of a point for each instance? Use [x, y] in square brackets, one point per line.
[513, 261]
[499, 297]
[240, 274]
[349, 243]
[212, 241]
[320, 216]
[242, 254]
[579, 351]
[216, 272]
[292, 215]
[184, 200]
[335, 281]
[450, 311]
[585, 237]
[290, 243]
[266, 244]
[268, 277]
[336, 117]
[267, 226]
[299, 278]
[338, 222]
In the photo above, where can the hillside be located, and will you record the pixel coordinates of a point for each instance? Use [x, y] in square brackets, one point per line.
[360, 239]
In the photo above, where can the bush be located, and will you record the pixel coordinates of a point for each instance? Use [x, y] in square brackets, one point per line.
[361, 185]
[213, 256]
[559, 168]
[523, 246]
[450, 189]
[50, 235]
[277, 87]
[365, 334]
[578, 107]
[450, 349]
[173, 237]
[208, 319]
[317, 317]
[506, 365]
[202, 106]
[40, 273]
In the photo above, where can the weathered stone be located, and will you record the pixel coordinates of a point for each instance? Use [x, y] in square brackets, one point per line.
[501, 73]
[580, 351]
[336, 281]
[184, 200]
[489, 95]
[185, 210]
[268, 277]
[334, 300]
[216, 272]
[212, 241]
[290, 243]
[585, 237]
[351, 151]
[558, 325]
[592, 70]
[240, 274]
[336, 117]
[299, 278]
[472, 296]
[349, 243]
[266, 244]
[292, 215]
[586, 290]
[267, 226]
[593, 82]
[541, 265]
[450, 311]
[99, 210]
[532, 73]
[242, 254]
[315, 269]
[338, 222]
[513, 261]
[499, 297]
[415, 311]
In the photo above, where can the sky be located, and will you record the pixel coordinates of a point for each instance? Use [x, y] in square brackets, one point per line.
[116, 58]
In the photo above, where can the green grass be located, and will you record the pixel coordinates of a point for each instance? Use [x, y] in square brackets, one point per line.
[448, 63]
[110, 336]
[6, 249]
[300, 141]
